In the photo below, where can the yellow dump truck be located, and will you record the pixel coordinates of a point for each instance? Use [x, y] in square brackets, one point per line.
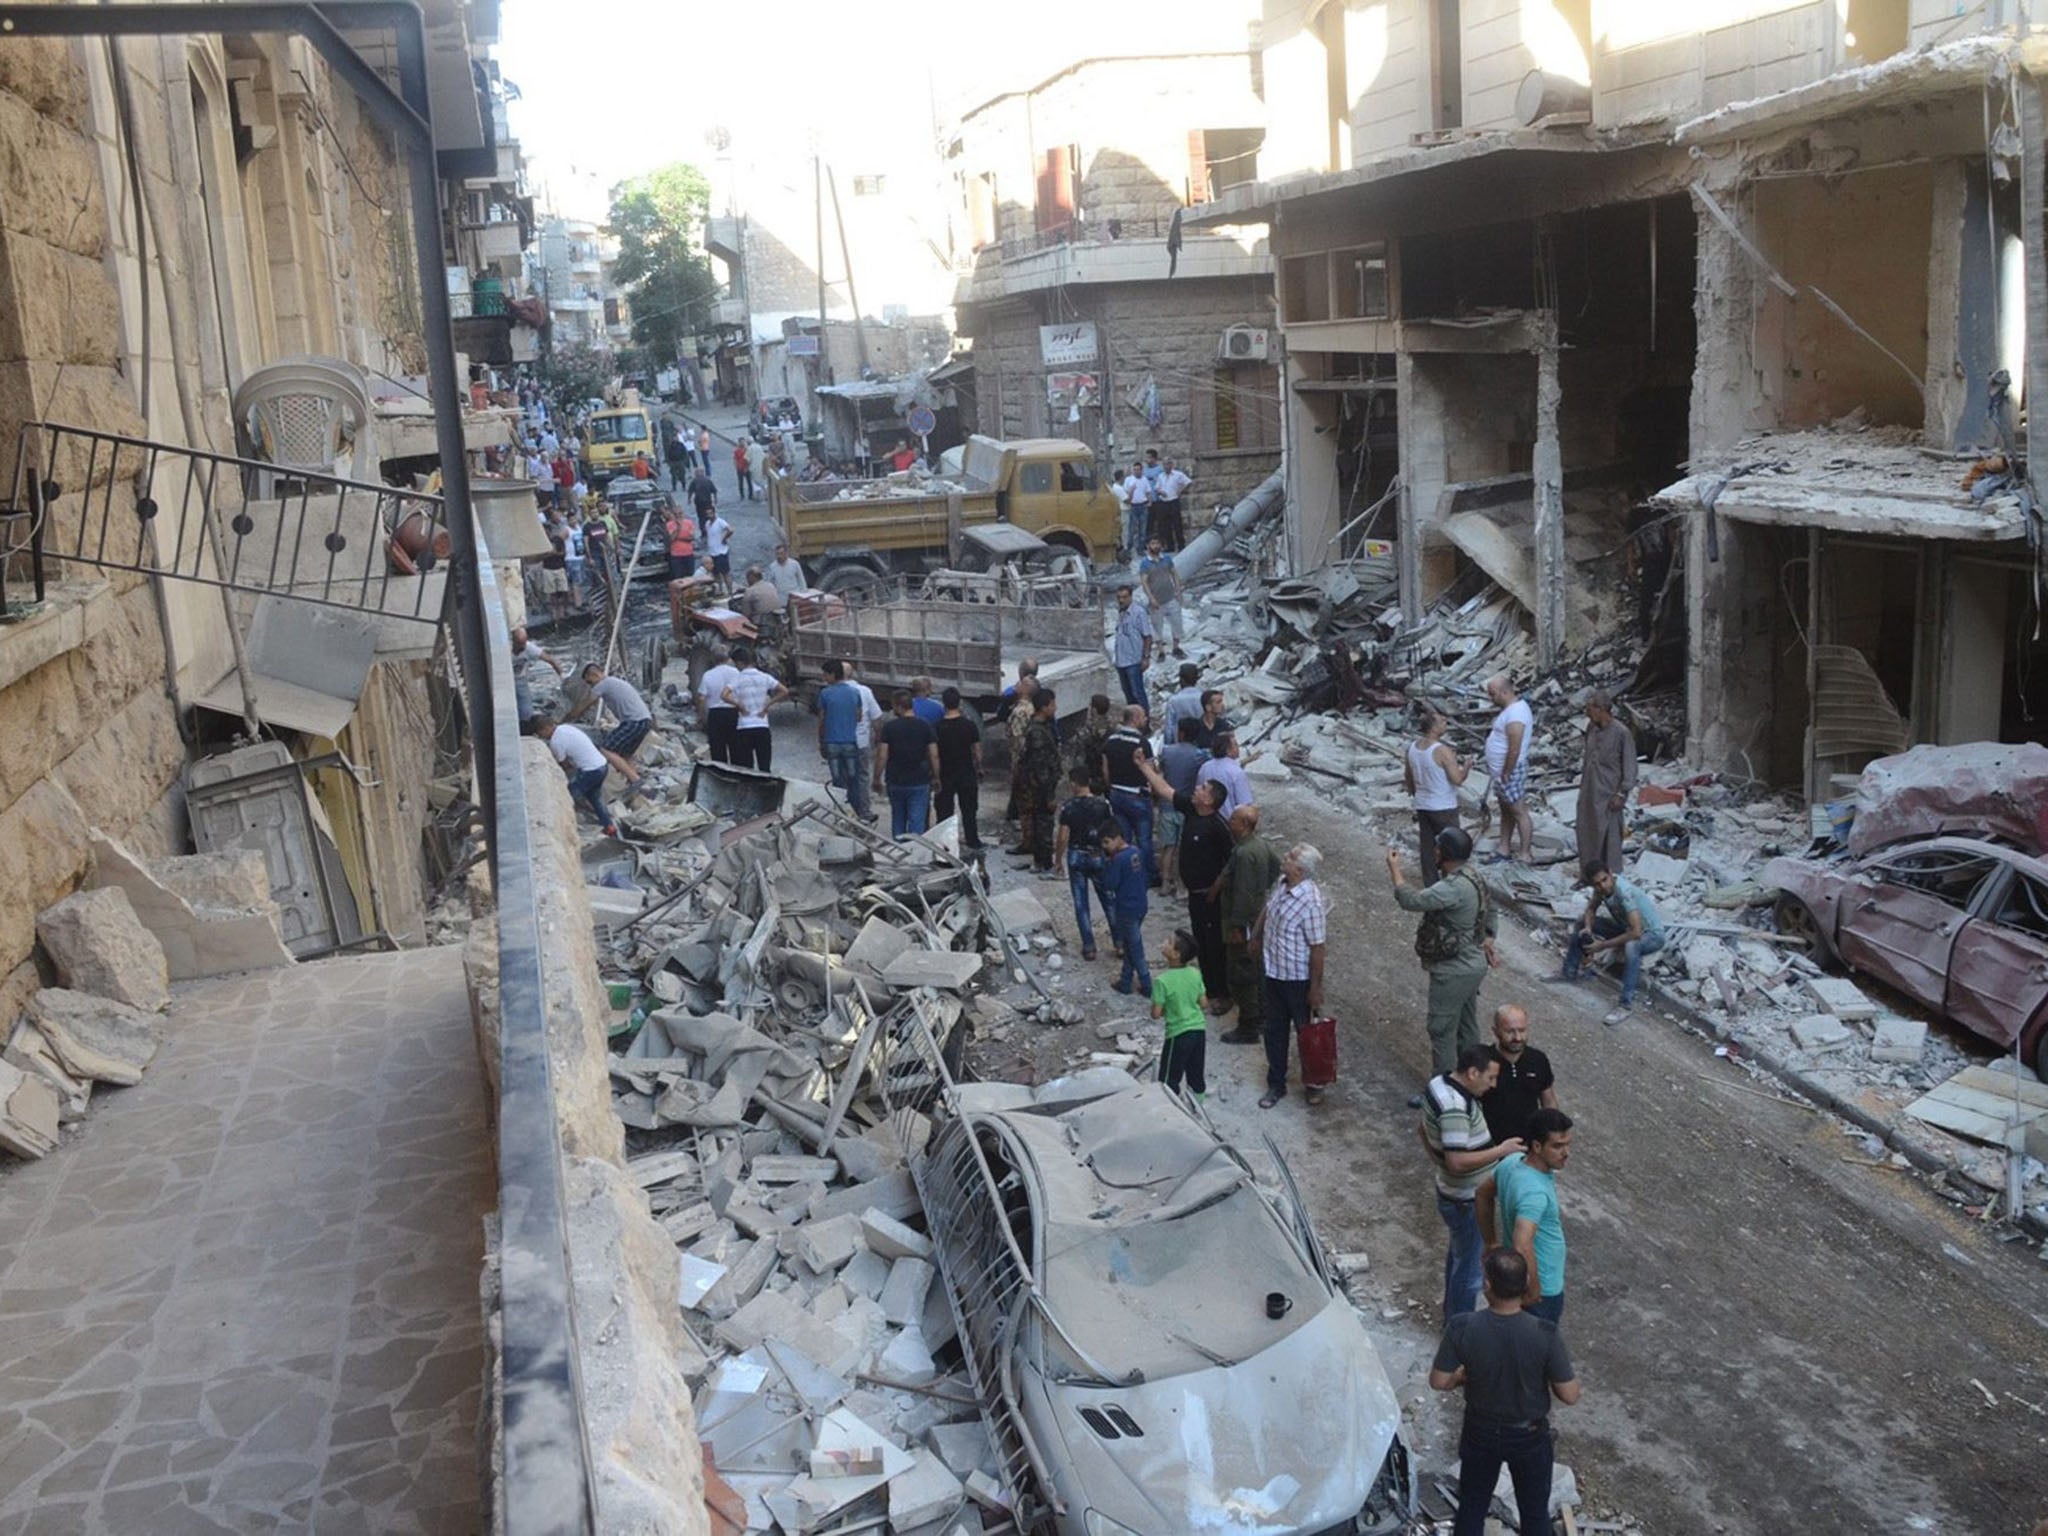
[853, 534]
[613, 436]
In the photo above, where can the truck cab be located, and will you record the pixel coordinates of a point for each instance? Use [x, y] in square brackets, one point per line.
[1048, 486]
[613, 436]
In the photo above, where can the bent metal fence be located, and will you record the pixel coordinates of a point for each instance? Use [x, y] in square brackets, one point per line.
[543, 1482]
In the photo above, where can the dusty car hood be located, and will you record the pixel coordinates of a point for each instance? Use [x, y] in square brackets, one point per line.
[1979, 789]
[1229, 1449]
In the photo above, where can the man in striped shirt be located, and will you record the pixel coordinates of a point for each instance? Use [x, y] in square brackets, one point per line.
[1455, 1134]
[1290, 932]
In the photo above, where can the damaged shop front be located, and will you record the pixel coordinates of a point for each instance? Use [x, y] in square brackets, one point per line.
[1874, 605]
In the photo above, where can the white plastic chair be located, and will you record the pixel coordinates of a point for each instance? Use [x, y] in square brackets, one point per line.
[306, 414]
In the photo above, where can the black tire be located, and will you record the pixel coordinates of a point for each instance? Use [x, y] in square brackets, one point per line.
[1796, 921]
[855, 583]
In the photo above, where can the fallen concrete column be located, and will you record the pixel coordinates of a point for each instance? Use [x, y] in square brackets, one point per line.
[1266, 498]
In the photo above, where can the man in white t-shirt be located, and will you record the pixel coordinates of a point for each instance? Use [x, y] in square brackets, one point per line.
[751, 693]
[586, 764]
[1137, 499]
[1507, 764]
[719, 718]
[787, 573]
[718, 545]
[1168, 526]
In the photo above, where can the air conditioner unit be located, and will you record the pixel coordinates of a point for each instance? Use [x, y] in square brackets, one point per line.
[1243, 344]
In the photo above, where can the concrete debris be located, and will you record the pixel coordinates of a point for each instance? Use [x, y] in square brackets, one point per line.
[94, 1037]
[765, 972]
[1841, 997]
[1819, 1032]
[212, 912]
[99, 945]
[28, 1112]
[1897, 1039]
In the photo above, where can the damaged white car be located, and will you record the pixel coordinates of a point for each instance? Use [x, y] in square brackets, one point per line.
[1157, 1340]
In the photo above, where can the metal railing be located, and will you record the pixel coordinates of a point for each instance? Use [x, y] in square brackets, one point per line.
[545, 1486]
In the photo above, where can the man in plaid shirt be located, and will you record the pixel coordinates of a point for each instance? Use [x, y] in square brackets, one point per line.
[1290, 933]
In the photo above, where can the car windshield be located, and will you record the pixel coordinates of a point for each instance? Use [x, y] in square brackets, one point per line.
[1168, 1297]
[628, 428]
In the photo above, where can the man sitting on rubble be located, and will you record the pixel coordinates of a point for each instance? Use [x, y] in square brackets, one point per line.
[587, 764]
[762, 599]
[1630, 924]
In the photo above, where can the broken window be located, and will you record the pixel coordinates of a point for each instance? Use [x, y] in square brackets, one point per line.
[1952, 877]
[1361, 282]
[1033, 479]
[1305, 287]
[2025, 907]
[1222, 158]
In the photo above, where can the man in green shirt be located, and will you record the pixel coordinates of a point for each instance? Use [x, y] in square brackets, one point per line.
[1177, 998]
[1246, 881]
[1518, 1209]
[1455, 944]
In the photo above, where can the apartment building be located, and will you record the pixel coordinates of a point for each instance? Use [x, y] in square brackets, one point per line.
[180, 214]
[1094, 311]
[1618, 303]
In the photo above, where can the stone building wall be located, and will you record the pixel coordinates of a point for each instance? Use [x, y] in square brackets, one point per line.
[242, 264]
[1166, 332]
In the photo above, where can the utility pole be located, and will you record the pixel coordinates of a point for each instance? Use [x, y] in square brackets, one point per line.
[818, 199]
[860, 329]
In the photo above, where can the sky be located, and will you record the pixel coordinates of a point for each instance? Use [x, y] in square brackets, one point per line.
[611, 88]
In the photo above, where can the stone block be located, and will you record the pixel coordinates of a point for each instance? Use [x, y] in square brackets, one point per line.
[1839, 996]
[99, 946]
[877, 943]
[861, 1159]
[927, 1492]
[43, 73]
[1021, 911]
[944, 968]
[43, 850]
[30, 1051]
[826, 1245]
[986, 1492]
[902, 1298]
[28, 1112]
[964, 1447]
[1821, 1032]
[891, 1238]
[743, 1281]
[94, 1037]
[865, 1274]
[906, 1358]
[893, 1194]
[1898, 1039]
[235, 929]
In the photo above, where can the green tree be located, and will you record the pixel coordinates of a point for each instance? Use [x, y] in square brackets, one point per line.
[659, 221]
[579, 373]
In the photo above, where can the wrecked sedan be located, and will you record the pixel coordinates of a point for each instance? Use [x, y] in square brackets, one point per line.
[1156, 1337]
[1954, 922]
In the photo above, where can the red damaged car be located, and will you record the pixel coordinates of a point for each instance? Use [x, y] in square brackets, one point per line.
[1957, 923]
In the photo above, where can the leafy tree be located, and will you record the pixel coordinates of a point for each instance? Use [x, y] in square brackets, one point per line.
[659, 221]
[579, 373]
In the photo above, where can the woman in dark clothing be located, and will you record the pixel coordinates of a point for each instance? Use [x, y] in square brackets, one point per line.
[1205, 845]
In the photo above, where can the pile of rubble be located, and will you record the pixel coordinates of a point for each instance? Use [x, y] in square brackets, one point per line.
[116, 948]
[759, 1006]
[1325, 683]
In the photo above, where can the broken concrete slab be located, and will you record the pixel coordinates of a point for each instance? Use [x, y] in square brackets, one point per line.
[891, 1239]
[902, 1299]
[1896, 1039]
[742, 1283]
[94, 1037]
[28, 1113]
[927, 1492]
[963, 1446]
[986, 1492]
[893, 1194]
[878, 942]
[908, 1359]
[1660, 869]
[944, 968]
[100, 946]
[861, 1158]
[1839, 996]
[212, 912]
[789, 1170]
[826, 1245]
[1821, 1032]
[865, 1274]
[1020, 911]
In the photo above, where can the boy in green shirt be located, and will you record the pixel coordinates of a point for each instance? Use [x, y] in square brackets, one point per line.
[1177, 998]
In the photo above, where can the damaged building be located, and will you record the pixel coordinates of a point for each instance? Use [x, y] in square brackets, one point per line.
[1711, 337]
[1094, 311]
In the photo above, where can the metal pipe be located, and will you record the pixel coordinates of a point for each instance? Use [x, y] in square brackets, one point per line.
[1265, 498]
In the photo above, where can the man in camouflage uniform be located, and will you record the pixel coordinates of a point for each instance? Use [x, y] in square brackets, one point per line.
[1017, 724]
[1038, 783]
[1088, 739]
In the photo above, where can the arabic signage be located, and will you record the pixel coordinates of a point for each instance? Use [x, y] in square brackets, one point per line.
[1067, 346]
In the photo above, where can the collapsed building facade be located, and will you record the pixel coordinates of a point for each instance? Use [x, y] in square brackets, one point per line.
[1691, 332]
